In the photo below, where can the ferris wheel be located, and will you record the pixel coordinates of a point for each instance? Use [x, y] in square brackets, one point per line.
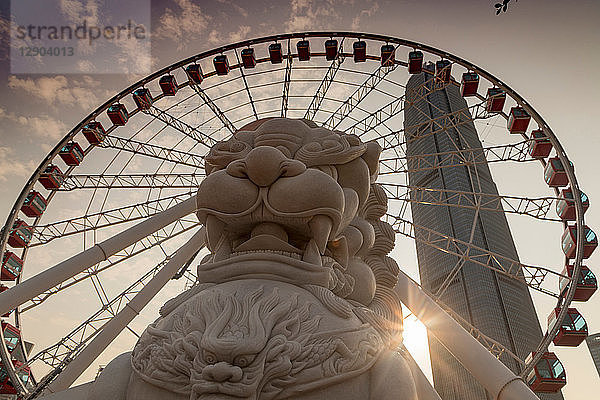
[138, 159]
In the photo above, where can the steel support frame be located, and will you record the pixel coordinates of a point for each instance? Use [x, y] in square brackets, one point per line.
[328, 79]
[529, 275]
[355, 98]
[48, 232]
[54, 276]
[154, 151]
[155, 239]
[121, 320]
[132, 181]
[498, 380]
[534, 207]
[214, 108]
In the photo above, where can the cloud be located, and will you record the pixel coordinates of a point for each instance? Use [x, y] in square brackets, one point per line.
[59, 90]
[11, 165]
[367, 12]
[311, 14]
[242, 11]
[183, 25]
[4, 38]
[78, 10]
[41, 126]
[216, 38]
[327, 14]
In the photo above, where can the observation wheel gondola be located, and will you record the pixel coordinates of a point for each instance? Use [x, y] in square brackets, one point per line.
[152, 137]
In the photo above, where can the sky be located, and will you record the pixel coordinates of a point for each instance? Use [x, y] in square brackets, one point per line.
[548, 51]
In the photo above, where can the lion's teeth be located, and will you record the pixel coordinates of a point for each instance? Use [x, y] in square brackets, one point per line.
[214, 230]
[320, 227]
[311, 253]
[339, 250]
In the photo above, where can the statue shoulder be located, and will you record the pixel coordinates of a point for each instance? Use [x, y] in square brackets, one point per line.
[391, 378]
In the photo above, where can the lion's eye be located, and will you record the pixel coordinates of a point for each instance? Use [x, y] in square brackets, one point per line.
[209, 357]
[243, 360]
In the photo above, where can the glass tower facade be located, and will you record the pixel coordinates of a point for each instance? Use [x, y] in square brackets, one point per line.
[593, 343]
[499, 306]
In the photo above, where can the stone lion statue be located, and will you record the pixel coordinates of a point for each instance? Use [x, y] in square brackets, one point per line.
[295, 299]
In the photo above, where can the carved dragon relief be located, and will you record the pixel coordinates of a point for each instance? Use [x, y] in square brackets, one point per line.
[295, 299]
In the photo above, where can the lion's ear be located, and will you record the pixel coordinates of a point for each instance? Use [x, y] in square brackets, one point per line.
[371, 157]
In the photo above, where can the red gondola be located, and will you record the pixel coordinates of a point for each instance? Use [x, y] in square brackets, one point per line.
[415, 62]
[495, 100]
[11, 336]
[540, 146]
[360, 51]
[565, 208]
[275, 53]
[2, 289]
[23, 372]
[248, 58]
[331, 49]
[548, 375]
[221, 64]
[20, 234]
[569, 240]
[470, 82]
[585, 286]
[303, 50]
[34, 204]
[443, 70]
[573, 329]
[388, 55]
[71, 153]
[168, 85]
[194, 73]
[11, 266]
[94, 132]
[143, 98]
[555, 174]
[118, 114]
[518, 120]
[52, 177]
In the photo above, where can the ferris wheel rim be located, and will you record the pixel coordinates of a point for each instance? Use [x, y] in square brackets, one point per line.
[322, 34]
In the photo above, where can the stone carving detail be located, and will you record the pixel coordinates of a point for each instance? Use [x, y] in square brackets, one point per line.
[295, 299]
[249, 345]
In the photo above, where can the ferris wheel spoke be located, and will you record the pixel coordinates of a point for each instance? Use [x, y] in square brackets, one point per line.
[378, 117]
[214, 108]
[58, 354]
[357, 96]
[517, 152]
[536, 207]
[286, 81]
[155, 239]
[442, 123]
[154, 151]
[132, 181]
[328, 79]
[122, 319]
[181, 126]
[63, 271]
[243, 75]
[532, 276]
[46, 233]
[374, 119]
[493, 346]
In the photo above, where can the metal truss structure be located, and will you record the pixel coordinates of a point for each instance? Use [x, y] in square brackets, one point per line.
[141, 172]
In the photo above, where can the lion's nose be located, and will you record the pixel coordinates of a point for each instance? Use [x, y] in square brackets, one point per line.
[222, 372]
[264, 165]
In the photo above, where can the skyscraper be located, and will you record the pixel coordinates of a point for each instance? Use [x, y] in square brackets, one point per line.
[499, 306]
[593, 343]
